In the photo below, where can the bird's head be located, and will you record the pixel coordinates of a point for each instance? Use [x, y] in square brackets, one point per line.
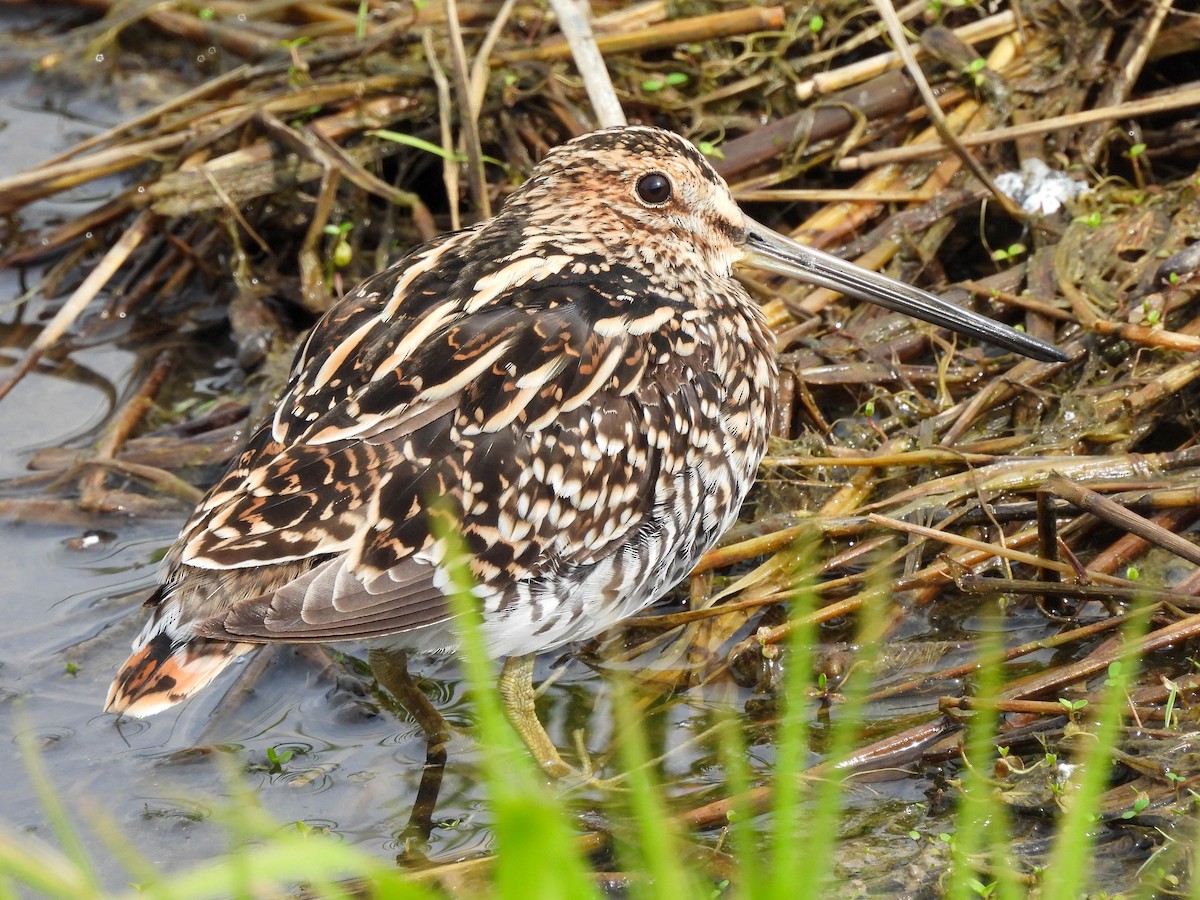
[646, 198]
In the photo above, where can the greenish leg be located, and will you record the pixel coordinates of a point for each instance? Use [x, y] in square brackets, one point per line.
[390, 668]
[516, 692]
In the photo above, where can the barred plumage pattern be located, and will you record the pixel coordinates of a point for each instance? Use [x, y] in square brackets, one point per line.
[578, 384]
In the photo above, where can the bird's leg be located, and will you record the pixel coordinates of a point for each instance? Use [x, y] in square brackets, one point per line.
[516, 692]
[390, 668]
[414, 839]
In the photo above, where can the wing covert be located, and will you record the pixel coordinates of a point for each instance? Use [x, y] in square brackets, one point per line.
[537, 427]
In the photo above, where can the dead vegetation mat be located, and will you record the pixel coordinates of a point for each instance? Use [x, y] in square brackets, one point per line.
[314, 142]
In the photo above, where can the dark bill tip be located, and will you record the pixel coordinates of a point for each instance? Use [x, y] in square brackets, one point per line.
[772, 252]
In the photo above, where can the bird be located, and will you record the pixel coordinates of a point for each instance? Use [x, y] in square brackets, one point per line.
[578, 386]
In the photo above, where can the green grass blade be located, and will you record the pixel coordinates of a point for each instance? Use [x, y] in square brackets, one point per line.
[751, 881]
[536, 856]
[58, 817]
[408, 140]
[34, 864]
[1194, 892]
[655, 850]
[789, 868]
[287, 860]
[1068, 869]
[819, 833]
[982, 820]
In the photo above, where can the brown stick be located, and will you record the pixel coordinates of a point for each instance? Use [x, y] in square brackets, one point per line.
[78, 301]
[1135, 108]
[681, 31]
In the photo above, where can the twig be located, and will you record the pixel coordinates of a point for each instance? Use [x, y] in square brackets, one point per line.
[681, 31]
[1133, 109]
[1116, 514]
[482, 64]
[574, 22]
[445, 129]
[18, 190]
[78, 301]
[467, 120]
[1143, 32]
[120, 426]
[1018, 556]
[1054, 641]
[236, 38]
[888, 13]
[858, 72]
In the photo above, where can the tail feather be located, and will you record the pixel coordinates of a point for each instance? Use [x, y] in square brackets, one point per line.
[165, 669]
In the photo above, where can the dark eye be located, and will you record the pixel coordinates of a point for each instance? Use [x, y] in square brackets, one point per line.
[654, 188]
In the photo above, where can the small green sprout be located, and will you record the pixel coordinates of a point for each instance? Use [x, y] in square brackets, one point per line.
[1140, 803]
[1011, 252]
[975, 70]
[672, 79]
[360, 20]
[1169, 714]
[343, 253]
[816, 23]
[277, 759]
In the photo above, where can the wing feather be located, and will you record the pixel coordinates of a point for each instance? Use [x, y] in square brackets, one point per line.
[539, 432]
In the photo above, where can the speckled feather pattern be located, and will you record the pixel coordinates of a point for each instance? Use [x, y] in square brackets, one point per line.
[578, 385]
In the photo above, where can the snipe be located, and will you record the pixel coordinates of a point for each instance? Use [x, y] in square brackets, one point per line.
[579, 383]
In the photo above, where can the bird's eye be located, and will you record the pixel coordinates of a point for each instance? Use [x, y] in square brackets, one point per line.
[654, 188]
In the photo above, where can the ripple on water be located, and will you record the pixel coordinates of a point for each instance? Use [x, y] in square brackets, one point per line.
[44, 738]
[173, 810]
[190, 756]
[126, 727]
[326, 826]
[451, 838]
[311, 780]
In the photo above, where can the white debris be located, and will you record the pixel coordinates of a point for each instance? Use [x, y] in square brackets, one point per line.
[1040, 189]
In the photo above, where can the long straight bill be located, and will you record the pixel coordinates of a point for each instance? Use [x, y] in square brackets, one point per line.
[772, 252]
